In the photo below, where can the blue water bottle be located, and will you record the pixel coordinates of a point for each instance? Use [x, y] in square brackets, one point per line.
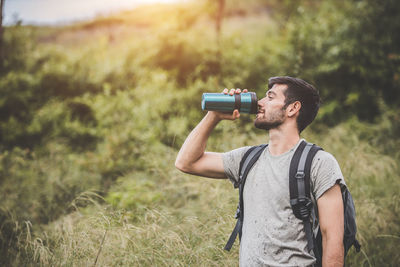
[244, 102]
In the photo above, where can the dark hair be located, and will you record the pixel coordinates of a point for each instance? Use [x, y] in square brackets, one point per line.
[299, 90]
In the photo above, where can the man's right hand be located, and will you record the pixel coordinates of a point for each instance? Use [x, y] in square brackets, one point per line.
[227, 116]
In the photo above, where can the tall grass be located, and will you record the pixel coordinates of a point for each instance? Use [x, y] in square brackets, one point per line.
[166, 218]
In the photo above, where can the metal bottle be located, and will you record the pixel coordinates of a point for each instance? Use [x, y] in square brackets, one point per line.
[244, 102]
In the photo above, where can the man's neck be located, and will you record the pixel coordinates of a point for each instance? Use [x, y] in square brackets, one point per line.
[281, 140]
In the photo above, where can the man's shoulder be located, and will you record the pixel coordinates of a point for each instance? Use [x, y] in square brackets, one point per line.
[231, 161]
[323, 156]
[325, 173]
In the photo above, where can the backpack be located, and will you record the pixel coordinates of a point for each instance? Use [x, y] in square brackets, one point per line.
[300, 199]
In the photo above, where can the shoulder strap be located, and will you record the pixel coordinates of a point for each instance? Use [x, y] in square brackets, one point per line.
[299, 185]
[246, 167]
[247, 162]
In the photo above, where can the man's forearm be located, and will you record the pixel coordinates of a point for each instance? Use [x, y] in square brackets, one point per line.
[192, 157]
[195, 144]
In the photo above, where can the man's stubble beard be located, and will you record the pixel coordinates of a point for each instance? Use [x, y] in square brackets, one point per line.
[271, 122]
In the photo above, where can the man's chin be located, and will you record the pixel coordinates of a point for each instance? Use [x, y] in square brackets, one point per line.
[265, 125]
[261, 125]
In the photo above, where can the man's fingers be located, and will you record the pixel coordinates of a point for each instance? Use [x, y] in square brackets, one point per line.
[227, 116]
[236, 114]
[234, 91]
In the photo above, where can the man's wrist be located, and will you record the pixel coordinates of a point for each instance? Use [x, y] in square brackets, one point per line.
[213, 117]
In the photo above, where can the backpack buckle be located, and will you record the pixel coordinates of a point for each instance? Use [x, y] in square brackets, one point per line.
[301, 207]
[299, 175]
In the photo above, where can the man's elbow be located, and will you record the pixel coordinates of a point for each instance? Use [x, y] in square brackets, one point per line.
[180, 165]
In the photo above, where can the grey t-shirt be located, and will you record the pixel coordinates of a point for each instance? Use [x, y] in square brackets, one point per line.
[271, 234]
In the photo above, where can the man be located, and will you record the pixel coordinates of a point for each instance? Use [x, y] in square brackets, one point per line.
[271, 234]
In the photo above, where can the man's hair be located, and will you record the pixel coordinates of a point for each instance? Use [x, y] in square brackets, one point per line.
[305, 93]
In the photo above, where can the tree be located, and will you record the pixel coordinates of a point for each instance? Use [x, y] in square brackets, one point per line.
[351, 49]
[1, 28]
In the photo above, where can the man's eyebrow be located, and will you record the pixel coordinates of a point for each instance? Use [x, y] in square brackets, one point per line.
[270, 92]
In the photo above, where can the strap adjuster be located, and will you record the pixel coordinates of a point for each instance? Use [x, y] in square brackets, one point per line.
[300, 175]
[301, 207]
[237, 215]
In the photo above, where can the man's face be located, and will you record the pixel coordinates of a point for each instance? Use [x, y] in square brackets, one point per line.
[271, 113]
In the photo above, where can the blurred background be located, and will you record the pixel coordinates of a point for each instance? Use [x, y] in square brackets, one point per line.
[98, 96]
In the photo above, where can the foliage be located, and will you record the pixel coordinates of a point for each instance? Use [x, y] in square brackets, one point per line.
[350, 49]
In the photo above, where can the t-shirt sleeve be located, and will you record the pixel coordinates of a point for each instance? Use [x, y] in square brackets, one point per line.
[231, 161]
[325, 173]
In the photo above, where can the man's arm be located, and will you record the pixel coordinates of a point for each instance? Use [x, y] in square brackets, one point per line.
[192, 157]
[331, 219]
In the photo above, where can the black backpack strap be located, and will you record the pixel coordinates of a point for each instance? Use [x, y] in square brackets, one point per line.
[247, 162]
[246, 167]
[299, 186]
[233, 235]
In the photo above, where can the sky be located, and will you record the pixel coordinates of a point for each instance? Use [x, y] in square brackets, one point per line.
[64, 11]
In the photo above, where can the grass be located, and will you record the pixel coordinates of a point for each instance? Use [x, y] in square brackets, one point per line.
[180, 220]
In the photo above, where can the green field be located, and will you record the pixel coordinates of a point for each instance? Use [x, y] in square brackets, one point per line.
[92, 116]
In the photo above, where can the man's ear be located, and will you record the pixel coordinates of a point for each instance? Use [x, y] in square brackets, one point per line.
[293, 109]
